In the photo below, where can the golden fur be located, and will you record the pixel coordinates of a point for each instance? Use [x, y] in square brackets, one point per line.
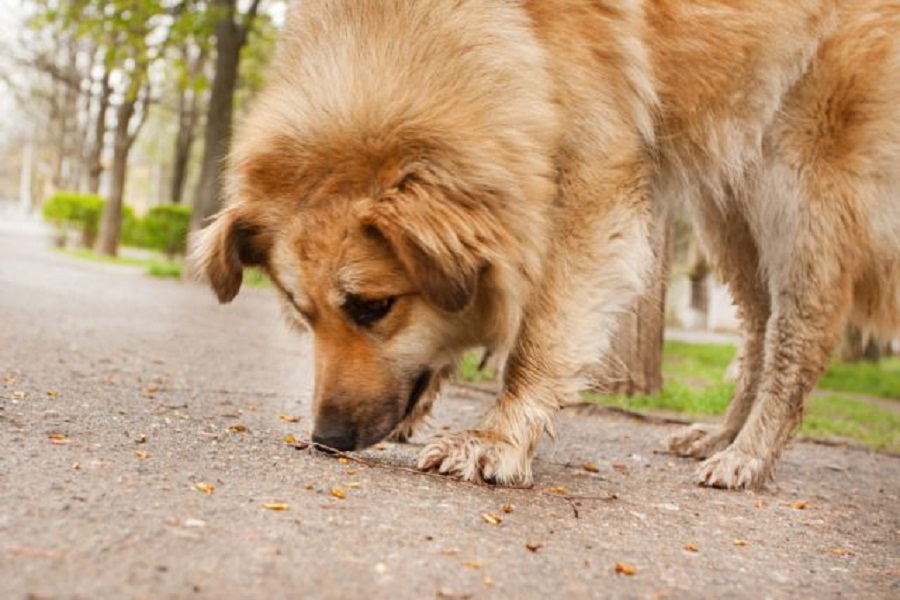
[424, 176]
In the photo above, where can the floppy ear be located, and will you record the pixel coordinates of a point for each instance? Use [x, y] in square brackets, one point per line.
[439, 236]
[220, 251]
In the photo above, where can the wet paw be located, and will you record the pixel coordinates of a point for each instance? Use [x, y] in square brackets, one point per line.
[478, 456]
[733, 469]
[700, 440]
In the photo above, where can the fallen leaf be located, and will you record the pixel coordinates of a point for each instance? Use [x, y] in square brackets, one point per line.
[533, 546]
[289, 439]
[691, 547]
[556, 490]
[237, 428]
[740, 543]
[620, 468]
[276, 506]
[492, 518]
[206, 488]
[843, 551]
[508, 508]
[590, 468]
[289, 418]
[800, 504]
[473, 564]
[141, 453]
[625, 568]
[338, 493]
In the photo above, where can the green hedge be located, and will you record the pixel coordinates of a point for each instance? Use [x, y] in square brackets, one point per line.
[76, 211]
[165, 228]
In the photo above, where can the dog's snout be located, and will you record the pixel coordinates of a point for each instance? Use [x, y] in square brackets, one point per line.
[341, 441]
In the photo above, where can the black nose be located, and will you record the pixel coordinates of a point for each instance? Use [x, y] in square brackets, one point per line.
[340, 442]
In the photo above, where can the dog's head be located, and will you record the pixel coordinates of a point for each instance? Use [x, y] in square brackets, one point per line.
[393, 280]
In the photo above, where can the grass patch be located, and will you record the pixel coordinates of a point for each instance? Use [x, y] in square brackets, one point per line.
[159, 266]
[468, 369]
[694, 387]
[873, 379]
[834, 416]
[164, 269]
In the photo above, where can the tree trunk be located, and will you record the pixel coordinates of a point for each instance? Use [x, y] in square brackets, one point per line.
[112, 211]
[188, 113]
[231, 36]
[636, 363]
[217, 138]
[95, 157]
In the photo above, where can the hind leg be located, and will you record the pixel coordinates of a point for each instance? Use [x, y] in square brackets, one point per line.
[810, 258]
[735, 255]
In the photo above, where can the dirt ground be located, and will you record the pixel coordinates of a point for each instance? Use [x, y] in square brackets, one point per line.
[119, 394]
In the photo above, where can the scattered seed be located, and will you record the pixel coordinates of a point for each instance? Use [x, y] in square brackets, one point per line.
[338, 493]
[590, 468]
[57, 436]
[353, 485]
[289, 418]
[533, 546]
[289, 439]
[800, 504]
[237, 428]
[344, 460]
[507, 508]
[491, 518]
[276, 506]
[52, 393]
[843, 551]
[141, 454]
[206, 488]
[473, 564]
[626, 568]
[741, 543]
[556, 490]
[488, 581]
[691, 547]
[141, 439]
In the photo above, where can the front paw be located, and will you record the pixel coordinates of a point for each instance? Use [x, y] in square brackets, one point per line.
[477, 456]
[700, 440]
[733, 469]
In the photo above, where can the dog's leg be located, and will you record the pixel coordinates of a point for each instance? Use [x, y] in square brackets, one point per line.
[567, 326]
[810, 266]
[735, 255]
[501, 446]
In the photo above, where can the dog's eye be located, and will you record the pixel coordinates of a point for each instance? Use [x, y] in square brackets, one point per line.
[366, 312]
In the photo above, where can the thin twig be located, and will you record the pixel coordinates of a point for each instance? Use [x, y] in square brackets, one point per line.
[571, 499]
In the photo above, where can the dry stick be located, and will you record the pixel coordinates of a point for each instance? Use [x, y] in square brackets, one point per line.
[570, 498]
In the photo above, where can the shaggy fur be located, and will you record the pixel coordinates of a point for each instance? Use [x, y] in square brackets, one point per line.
[424, 176]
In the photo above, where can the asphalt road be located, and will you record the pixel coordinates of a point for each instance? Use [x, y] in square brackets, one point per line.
[119, 394]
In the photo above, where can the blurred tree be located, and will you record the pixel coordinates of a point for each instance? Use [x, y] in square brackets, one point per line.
[232, 29]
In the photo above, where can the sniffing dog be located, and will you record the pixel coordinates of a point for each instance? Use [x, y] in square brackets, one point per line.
[424, 176]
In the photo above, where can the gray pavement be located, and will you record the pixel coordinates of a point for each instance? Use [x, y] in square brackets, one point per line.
[120, 393]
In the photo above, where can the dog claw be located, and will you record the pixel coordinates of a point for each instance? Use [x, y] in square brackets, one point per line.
[733, 469]
[699, 441]
[476, 456]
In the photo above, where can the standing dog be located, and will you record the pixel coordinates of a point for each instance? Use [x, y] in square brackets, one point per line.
[424, 176]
